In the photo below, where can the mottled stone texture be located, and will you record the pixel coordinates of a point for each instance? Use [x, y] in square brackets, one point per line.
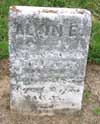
[48, 54]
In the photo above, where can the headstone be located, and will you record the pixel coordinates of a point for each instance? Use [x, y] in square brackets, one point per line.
[48, 54]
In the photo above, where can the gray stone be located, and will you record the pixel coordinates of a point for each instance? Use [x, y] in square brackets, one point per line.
[48, 54]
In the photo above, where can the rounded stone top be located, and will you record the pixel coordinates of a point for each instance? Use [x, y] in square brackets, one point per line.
[28, 10]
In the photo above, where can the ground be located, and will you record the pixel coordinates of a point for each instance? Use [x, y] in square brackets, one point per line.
[88, 115]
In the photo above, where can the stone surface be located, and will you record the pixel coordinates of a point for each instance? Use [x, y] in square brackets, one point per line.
[48, 54]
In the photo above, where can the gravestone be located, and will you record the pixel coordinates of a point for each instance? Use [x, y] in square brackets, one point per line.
[48, 54]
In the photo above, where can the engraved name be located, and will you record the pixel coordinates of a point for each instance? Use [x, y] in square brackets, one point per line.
[41, 29]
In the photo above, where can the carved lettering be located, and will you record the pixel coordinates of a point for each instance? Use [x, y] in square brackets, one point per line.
[73, 29]
[48, 29]
[19, 29]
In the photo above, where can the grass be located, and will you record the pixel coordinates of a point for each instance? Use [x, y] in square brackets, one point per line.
[86, 95]
[3, 50]
[94, 51]
[92, 5]
[96, 111]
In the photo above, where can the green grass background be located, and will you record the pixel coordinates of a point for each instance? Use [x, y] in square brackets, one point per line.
[92, 5]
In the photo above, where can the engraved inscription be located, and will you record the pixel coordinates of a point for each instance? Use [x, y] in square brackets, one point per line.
[50, 93]
[42, 29]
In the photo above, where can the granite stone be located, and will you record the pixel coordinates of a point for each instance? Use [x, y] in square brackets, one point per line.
[48, 50]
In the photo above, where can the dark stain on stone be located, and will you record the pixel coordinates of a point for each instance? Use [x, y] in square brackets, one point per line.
[35, 98]
[29, 64]
[78, 90]
[14, 9]
[49, 11]
[60, 54]
[81, 12]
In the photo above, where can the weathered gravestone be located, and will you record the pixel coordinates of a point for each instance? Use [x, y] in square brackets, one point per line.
[48, 54]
